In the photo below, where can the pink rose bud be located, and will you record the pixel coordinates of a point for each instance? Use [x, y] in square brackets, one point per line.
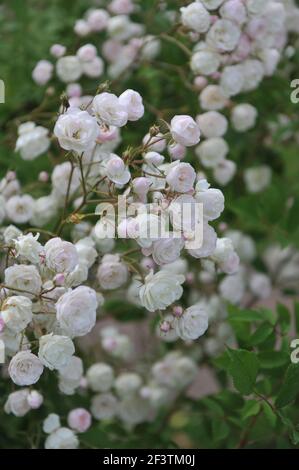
[223, 227]
[177, 151]
[177, 311]
[216, 75]
[83, 382]
[59, 279]
[147, 263]
[74, 90]
[43, 177]
[165, 326]
[109, 344]
[87, 53]
[141, 185]
[121, 7]
[79, 420]
[213, 18]
[35, 399]
[58, 50]
[200, 82]
[190, 277]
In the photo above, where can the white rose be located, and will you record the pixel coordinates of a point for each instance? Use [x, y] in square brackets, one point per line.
[104, 406]
[11, 233]
[55, 351]
[232, 288]
[19, 209]
[256, 7]
[134, 410]
[127, 383]
[94, 68]
[17, 403]
[192, 324]
[42, 72]
[205, 62]
[69, 69]
[184, 130]
[260, 285]
[224, 172]
[70, 376]
[61, 256]
[232, 79]
[234, 10]
[212, 98]
[44, 209]
[28, 247]
[33, 142]
[223, 35]
[181, 177]
[86, 251]
[212, 124]
[25, 368]
[225, 256]
[62, 438]
[167, 250]
[257, 178]
[51, 423]
[243, 117]
[76, 130]
[77, 276]
[131, 101]
[213, 203]
[109, 110]
[112, 273]
[100, 377]
[16, 312]
[243, 244]
[24, 278]
[76, 311]
[60, 178]
[87, 52]
[212, 151]
[97, 19]
[253, 72]
[208, 243]
[117, 171]
[160, 290]
[195, 17]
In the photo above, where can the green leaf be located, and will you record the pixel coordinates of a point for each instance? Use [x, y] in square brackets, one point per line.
[290, 387]
[284, 318]
[273, 359]
[261, 334]
[244, 368]
[220, 429]
[269, 413]
[251, 408]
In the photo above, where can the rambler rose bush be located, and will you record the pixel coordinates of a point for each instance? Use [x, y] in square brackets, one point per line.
[125, 123]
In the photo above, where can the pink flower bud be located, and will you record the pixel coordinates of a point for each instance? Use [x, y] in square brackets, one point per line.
[59, 279]
[35, 399]
[57, 50]
[43, 177]
[177, 311]
[200, 82]
[165, 326]
[74, 90]
[79, 420]
[87, 53]
[147, 263]
[177, 151]
[190, 277]
[141, 185]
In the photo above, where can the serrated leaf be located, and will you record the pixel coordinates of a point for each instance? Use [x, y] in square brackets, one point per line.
[244, 368]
